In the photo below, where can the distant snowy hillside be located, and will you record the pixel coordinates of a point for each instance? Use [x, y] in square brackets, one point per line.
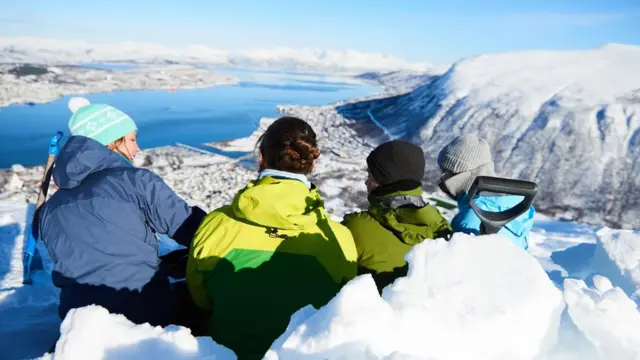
[44, 50]
[401, 81]
[569, 120]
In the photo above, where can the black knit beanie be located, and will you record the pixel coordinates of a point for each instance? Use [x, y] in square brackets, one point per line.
[396, 161]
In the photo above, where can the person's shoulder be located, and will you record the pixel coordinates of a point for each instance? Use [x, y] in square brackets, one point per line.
[140, 173]
[223, 213]
[134, 176]
[363, 226]
[361, 218]
[492, 201]
[212, 224]
[499, 202]
[345, 238]
[339, 228]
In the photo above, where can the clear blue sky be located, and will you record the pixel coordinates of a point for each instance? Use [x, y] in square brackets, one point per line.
[435, 31]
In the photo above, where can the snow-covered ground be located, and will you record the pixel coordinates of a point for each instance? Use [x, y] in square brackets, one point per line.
[56, 51]
[28, 314]
[50, 83]
[93, 333]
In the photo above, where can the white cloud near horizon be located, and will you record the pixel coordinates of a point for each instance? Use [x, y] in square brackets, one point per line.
[53, 50]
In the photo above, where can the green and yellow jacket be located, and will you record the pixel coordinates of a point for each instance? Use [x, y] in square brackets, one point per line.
[268, 254]
[392, 225]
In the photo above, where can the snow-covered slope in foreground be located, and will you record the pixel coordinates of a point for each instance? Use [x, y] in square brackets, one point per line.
[473, 297]
[480, 298]
[618, 257]
[606, 316]
[93, 333]
[568, 120]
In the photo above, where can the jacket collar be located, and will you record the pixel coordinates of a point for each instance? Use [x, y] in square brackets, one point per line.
[279, 174]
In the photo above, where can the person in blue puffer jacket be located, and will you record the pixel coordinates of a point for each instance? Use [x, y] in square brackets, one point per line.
[100, 226]
[461, 161]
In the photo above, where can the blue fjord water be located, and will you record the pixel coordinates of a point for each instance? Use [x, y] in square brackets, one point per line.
[190, 117]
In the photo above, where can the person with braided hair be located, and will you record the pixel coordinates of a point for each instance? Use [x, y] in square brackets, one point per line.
[273, 250]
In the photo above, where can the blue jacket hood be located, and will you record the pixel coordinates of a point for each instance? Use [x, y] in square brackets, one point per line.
[82, 156]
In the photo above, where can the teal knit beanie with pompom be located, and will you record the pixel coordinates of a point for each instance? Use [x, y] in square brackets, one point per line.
[101, 122]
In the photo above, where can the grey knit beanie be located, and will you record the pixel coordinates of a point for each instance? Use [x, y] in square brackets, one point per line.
[464, 159]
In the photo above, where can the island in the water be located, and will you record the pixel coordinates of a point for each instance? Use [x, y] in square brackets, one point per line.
[33, 83]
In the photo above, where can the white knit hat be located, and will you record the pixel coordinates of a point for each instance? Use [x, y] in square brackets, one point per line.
[465, 158]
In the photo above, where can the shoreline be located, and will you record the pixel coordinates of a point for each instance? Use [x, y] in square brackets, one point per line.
[29, 84]
[210, 178]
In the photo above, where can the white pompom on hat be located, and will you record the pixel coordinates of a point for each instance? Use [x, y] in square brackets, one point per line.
[76, 103]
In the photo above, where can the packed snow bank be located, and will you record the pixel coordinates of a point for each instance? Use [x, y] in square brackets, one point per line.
[472, 297]
[606, 316]
[15, 224]
[617, 257]
[92, 333]
[28, 313]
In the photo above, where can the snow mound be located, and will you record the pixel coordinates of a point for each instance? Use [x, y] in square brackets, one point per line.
[461, 299]
[606, 316]
[15, 225]
[345, 328]
[92, 333]
[617, 257]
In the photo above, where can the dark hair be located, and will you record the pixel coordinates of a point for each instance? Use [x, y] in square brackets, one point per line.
[289, 144]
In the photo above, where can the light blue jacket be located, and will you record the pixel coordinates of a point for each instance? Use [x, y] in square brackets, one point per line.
[517, 230]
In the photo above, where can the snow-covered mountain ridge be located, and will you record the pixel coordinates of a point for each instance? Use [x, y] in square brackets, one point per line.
[56, 51]
[569, 120]
[399, 82]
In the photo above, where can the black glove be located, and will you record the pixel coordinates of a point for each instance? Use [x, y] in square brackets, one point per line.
[185, 233]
